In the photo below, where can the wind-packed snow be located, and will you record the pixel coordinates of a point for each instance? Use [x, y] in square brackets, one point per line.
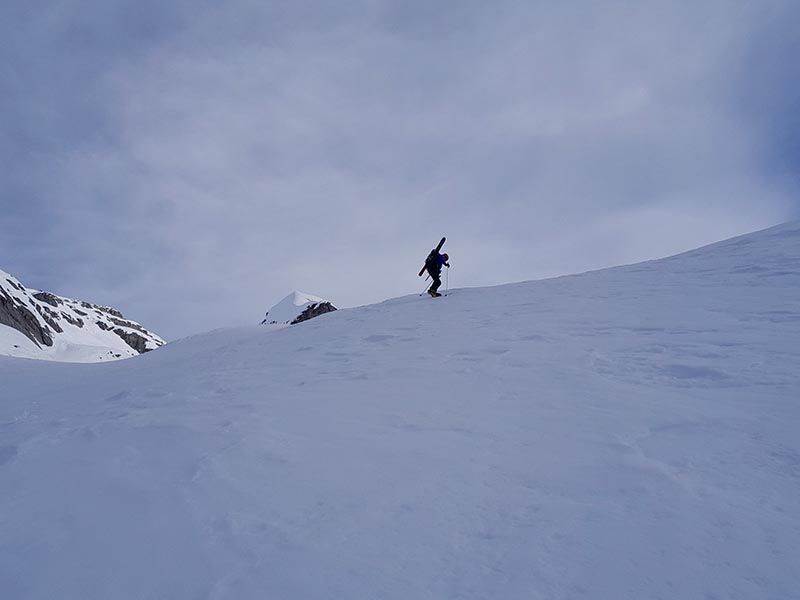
[89, 349]
[623, 434]
[291, 307]
[14, 343]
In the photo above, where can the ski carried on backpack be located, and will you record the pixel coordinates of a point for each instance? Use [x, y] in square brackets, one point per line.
[439, 247]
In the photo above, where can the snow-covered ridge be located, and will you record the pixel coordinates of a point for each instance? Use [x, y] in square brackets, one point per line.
[296, 308]
[626, 434]
[36, 324]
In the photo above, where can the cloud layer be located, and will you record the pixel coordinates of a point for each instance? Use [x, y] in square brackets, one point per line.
[192, 163]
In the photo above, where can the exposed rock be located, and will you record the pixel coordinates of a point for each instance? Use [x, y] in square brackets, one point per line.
[23, 320]
[134, 340]
[124, 323]
[102, 309]
[77, 321]
[49, 298]
[296, 308]
[50, 317]
[110, 311]
[314, 310]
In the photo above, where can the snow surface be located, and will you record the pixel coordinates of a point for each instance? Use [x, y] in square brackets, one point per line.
[14, 343]
[90, 348]
[291, 307]
[87, 343]
[623, 434]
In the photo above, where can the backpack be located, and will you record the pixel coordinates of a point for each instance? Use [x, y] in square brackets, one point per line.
[432, 262]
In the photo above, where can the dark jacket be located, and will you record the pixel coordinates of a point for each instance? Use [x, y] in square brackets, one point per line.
[434, 263]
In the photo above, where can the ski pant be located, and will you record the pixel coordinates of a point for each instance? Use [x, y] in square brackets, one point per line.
[437, 281]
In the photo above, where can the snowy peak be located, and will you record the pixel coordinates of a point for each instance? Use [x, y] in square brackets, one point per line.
[301, 298]
[296, 308]
[36, 324]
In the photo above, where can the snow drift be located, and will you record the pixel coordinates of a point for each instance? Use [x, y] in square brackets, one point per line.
[629, 433]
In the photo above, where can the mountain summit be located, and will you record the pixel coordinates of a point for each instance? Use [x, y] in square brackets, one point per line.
[36, 324]
[296, 308]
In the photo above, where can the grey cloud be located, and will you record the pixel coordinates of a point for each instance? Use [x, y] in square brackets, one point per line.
[229, 153]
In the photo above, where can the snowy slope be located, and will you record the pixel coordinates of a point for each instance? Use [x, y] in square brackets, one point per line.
[41, 325]
[296, 308]
[623, 434]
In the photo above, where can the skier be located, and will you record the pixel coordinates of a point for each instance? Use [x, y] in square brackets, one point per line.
[433, 264]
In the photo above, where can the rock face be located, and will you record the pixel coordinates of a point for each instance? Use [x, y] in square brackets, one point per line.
[53, 323]
[17, 315]
[314, 310]
[296, 308]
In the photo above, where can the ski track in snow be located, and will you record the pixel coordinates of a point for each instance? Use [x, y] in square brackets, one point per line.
[627, 433]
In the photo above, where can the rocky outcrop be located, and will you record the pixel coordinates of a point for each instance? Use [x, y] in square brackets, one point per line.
[314, 310]
[14, 313]
[49, 298]
[130, 324]
[50, 317]
[296, 308]
[134, 340]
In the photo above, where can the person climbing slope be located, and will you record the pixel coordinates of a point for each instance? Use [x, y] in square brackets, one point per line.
[434, 264]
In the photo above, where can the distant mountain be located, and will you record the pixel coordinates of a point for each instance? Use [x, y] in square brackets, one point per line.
[296, 308]
[36, 324]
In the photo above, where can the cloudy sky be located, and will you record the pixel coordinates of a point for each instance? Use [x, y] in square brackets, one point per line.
[191, 162]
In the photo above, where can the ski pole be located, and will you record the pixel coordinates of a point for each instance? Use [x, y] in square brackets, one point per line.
[447, 280]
